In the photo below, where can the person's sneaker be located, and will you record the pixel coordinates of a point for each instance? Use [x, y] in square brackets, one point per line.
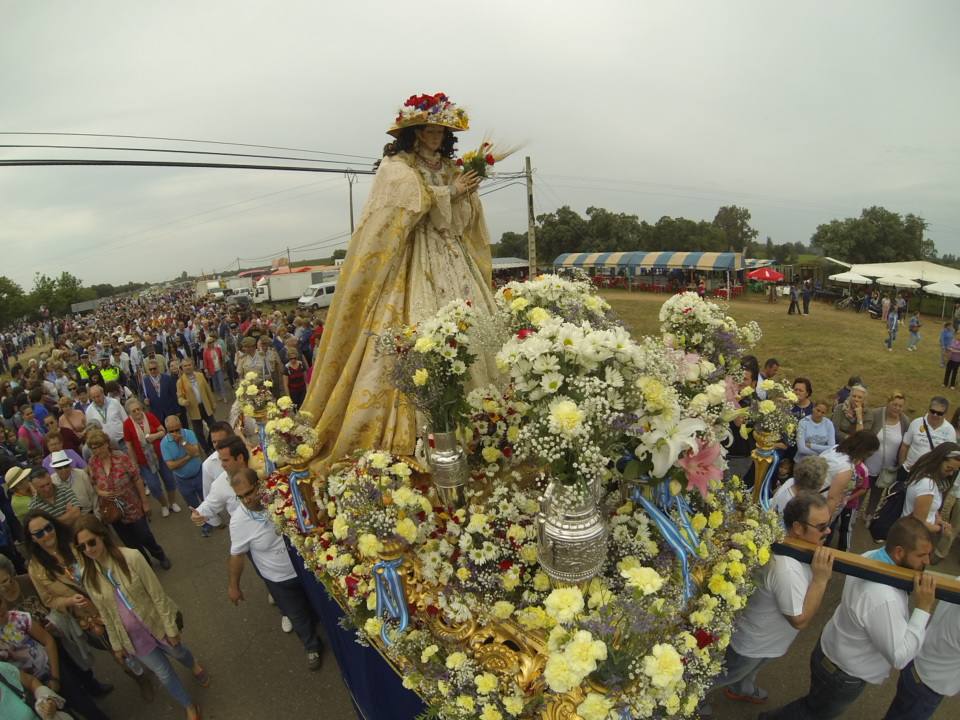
[165, 563]
[757, 697]
[285, 624]
[146, 491]
[165, 511]
[174, 507]
[205, 530]
[313, 660]
[270, 599]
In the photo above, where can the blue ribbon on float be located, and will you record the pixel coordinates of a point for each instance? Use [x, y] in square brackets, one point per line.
[671, 533]
[262, 434]
[299, 503]
[768, 478]
[391, 599]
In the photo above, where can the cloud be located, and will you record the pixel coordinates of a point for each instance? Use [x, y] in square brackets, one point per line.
[802, 113]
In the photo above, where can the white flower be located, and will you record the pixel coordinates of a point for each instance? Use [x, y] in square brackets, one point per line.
[665, 441]
[565, 417]
[551, 382]
[458, 367]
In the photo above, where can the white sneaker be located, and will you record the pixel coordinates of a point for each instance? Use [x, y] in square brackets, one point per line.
[285, 624]
[270, 599]
[174, 507]
[165, 511]
[147, 490]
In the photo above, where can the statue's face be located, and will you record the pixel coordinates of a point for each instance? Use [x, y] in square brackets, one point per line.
[430, 137]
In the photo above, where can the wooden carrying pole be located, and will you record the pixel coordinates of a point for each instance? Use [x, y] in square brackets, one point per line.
[849, 563]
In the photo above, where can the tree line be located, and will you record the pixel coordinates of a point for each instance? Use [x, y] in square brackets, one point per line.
[56, 294]
[877, 235]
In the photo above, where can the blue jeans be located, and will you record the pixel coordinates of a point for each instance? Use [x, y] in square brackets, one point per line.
[292, 600]
[741, 672]
[191, 488]
[891, 336]
[832, 691]
[217, 381]
[914, 339]
[914, 700]
[153, 481]
[157, 661]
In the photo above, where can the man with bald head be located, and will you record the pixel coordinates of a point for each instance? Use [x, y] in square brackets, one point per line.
[108, 412]
[182, 454]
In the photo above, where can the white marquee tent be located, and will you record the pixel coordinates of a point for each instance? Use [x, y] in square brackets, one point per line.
[919, 270]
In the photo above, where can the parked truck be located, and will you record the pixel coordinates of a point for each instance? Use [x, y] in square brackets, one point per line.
[277, 288]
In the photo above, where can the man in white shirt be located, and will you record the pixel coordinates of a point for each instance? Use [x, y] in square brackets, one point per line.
[934, 673]
[212, 468]
[871, 631]
[917, 440]
[786, 600]
[252, 532]
[234, 456]
[109, 413]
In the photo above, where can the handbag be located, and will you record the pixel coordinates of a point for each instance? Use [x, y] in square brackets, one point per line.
[886, 478]
[110, 509]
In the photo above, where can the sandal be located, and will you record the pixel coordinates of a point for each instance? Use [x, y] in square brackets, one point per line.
[202, 677]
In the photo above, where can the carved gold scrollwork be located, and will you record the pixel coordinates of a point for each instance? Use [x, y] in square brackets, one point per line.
[457, 633]
[563, 707]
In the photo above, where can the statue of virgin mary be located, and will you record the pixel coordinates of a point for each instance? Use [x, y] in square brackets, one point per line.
[421, 242]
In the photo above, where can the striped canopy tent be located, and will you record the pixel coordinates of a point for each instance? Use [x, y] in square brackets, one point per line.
[632, 262]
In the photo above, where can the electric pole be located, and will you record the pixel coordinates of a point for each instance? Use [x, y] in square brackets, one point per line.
[351, 179]
[531, 229]
[288, 257]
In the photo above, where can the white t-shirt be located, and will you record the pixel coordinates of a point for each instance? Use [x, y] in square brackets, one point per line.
[221, 497]
[872, 630]
[923, 486]
[255, 533]
[916, 438]
[938, 662]
[782, 496]
[762, 631]
[890, 437]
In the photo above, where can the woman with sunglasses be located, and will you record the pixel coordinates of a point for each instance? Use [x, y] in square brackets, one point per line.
[118, 480]
[931, 478]
[54, 568]
[25, 643]
[140, 618]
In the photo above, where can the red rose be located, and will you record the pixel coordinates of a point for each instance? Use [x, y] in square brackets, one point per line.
[704, 638]
[524, 334]
[506, 565]
[351, 583]
[507, 452]
[433, 610]
[490, 159]
[459, 162]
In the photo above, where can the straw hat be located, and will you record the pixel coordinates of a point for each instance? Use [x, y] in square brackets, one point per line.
[430, 110]
[15, 476]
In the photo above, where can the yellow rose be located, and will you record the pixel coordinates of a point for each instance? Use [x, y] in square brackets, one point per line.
[466, 702]
[285, 403]
[528, 553]
[698, 521]
[428, 652]
[663, 665]
[463, 574]
[420, 377]
[510, 579]
[369, 545]
[595, 707]
[252, 390]
[565, 416]
[541, 582]
[490, 713]
[763, 555]
[455, 660]
[645, 579]
[502, 609]
[538, 316]
[407, 529]
[518, 304]
[716, 519]
[513, 705]
[486, 683]
[305, 451]
[533, 618]
[564, 604]
[513, 433]
[672, 705]
[767, 406]
[372, 626]
[490, 454]
[248, 410]
[424, 344]
[340, 528]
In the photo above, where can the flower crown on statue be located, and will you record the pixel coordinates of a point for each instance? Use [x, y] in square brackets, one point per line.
[430, 110]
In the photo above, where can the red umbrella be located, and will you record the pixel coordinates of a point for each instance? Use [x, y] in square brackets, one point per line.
[765, 274]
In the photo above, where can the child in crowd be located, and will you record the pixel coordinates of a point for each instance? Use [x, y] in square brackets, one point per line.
[946, 338]
[914, 328]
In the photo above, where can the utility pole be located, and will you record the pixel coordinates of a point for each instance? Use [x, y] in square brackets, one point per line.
[238, 265]
[531, 229]
[288, 257]
[351, 179]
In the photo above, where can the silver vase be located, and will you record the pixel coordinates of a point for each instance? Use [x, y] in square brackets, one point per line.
[448, 468]
[571, 533]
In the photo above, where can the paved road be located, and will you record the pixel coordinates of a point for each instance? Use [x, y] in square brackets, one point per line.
[259, 672]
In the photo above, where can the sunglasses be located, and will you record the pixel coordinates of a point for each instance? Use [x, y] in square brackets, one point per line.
[89, 544]
[819, 527]
[939, 413]
[48, 528]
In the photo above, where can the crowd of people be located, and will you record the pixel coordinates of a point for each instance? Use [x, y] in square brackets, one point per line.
[851, 455]
[118, 419]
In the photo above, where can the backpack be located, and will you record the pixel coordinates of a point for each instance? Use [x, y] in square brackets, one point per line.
[888, 511]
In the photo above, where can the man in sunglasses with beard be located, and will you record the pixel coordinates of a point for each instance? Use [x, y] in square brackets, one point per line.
[924, 434]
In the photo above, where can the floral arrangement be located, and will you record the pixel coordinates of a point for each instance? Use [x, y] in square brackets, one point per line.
[770, 415]
[430, 362]
[528, 305]
[291, 434]
[436, 109]
[483, 158]
[492, 427]
[694, 325]
[254, 394]
[489, 636]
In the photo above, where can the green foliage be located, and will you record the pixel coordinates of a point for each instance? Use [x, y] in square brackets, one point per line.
[55, 294]
[11, 301]
[878, 235]
[734, 222]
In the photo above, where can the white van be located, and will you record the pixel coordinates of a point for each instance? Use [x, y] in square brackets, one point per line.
[318, 295]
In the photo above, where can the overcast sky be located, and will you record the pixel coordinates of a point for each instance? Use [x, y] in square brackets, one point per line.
[802, 112]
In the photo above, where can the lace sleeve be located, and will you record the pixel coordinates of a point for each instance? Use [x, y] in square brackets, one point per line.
[395, 186]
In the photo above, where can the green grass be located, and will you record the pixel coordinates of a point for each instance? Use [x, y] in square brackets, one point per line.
[827, 346]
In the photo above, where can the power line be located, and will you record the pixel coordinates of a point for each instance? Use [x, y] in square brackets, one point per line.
[176, 151]
[189, 140]
[502, 187]
[172, 163]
